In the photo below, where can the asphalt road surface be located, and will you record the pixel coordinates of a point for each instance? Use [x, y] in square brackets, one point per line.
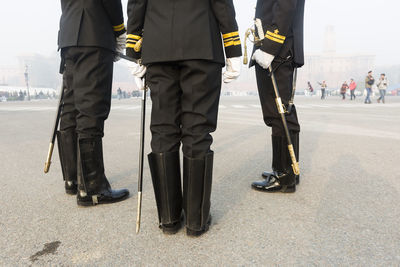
[345, 212]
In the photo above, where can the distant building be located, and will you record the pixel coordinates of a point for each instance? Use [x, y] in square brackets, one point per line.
[32, 90]
[332, 67]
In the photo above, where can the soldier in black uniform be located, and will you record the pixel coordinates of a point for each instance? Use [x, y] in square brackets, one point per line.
[282, 46]
[90, 32]
[184, 54]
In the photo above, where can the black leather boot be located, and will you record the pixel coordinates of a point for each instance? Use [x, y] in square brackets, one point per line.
[92, 183]
[276, 160]
[166, 176]
[283, 179]
[66, 141]
[276, 148]
[197, 181]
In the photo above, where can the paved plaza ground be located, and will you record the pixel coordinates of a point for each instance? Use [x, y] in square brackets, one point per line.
[345, 212]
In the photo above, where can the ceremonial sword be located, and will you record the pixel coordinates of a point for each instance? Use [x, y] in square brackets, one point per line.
[281, 109]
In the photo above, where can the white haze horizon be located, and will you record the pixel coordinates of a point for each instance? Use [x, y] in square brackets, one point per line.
[362, 27]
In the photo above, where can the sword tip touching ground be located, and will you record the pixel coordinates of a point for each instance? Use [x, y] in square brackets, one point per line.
[48, 159]
[46, 167]
[138, 212]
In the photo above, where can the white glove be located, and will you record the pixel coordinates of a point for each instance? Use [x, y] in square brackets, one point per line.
[262, 58]
[120, 43]
[233, 67]
[139, 83]
[137, 70]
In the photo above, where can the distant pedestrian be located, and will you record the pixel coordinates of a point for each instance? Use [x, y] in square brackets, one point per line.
[324, 86]
[352, 87]
[119, 93]
[20, 95]
[343, 90]
[310, 88]
[382, 85]
[369, 81]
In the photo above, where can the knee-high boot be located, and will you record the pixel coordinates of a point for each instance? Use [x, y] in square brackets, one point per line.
[276, 155]
[93, 185]
[197, 183]
[166, 177]
[283, 179]
[66, 141]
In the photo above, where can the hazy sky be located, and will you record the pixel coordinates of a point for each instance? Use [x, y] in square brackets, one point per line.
[362, 26]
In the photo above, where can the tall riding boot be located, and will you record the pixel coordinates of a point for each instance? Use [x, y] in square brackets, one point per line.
[92, 183]
[166, 176]
[284, 179]
[276, 158]
[66, 141]
[197, 181]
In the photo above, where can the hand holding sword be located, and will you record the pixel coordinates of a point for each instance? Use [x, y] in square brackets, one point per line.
[141, 156]
[139, 71]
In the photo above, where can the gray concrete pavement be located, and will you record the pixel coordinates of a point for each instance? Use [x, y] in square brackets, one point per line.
[345, 212]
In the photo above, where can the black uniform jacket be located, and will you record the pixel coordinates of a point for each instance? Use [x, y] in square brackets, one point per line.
[174, 30]
[90, 23]
[283, 25]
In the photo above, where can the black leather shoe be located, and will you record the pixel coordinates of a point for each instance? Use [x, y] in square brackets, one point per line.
[93, 185]
[197, 233]
[266, 175]
[106, 197]
[274, 184]
[282, 179]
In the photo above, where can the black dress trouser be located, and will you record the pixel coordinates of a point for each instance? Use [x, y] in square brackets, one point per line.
[185, 97]
[87, 83]
[284, 78]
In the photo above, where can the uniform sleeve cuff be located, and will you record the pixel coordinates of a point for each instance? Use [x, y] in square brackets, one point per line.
[233, 51]
[273, 42]
[232, 44]
[119, 29]
[130, 52]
